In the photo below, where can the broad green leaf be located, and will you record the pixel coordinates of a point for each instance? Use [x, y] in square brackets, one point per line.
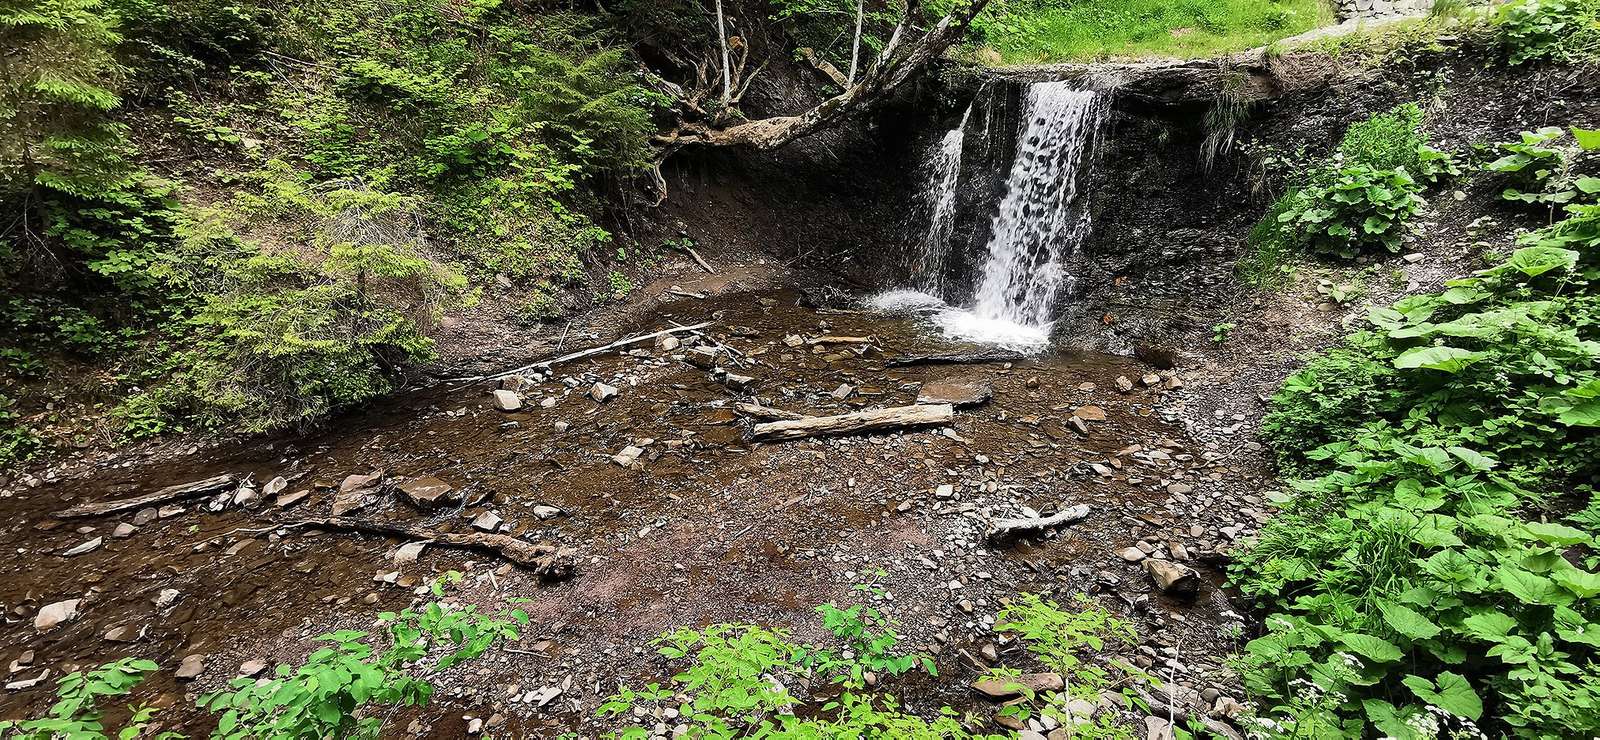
[1406, 621]
[1536, 261]
[1491, 626]
[1452, 693]
[1586, 414]
[1531, 588]
[1375, 648]
[1475, 460]
[1447, 359]
[1583, 583]
[1588, 139]
[1557, 534]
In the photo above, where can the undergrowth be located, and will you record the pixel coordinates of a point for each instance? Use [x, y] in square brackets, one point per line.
[1434, 572]
[347, 689]
[352, 169]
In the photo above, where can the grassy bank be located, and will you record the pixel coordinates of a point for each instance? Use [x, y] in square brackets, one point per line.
[1042, 31]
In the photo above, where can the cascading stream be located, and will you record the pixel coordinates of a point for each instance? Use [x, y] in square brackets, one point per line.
[945, 174]
[1039, 226]
[1036, 232]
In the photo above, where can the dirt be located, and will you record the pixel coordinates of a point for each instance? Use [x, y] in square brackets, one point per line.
[707, 528]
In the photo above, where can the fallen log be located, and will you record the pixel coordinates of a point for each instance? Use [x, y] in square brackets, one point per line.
[584, 353]
[182, 491]
[965, 357]
[859, 421]
[1001, 530]
[767, 412]
[549, 562]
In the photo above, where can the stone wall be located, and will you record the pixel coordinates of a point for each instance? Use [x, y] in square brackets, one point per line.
[1364, 9]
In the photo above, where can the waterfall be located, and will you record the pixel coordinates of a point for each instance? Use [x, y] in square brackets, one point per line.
[944, 173]
[1040, 224]
[1036, 231]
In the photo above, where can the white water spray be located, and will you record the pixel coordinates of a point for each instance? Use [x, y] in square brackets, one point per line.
[1035, 235]
[1040, 225]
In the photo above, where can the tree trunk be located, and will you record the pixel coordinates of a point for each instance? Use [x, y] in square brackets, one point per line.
[855, 46]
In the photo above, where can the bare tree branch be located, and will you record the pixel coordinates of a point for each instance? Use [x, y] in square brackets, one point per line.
[900, 61]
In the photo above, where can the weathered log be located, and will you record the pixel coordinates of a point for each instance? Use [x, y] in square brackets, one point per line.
[963, 357]
[620, 343]
[182, 491]
[860, 421]
[547, 561]
[767, 412]
[1001, 530]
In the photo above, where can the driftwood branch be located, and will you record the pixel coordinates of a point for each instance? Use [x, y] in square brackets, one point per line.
[584, 353]
[548, 561]
[860, 421]
[1001, 530]
[196, 489]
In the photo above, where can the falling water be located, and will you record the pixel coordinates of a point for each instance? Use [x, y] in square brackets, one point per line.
[945, 173]
[1035, 234]
[1040, 224]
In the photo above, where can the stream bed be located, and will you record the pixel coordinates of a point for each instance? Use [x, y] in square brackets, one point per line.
[704, 527]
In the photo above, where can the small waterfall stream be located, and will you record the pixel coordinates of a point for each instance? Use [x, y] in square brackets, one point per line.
[1036, 231]
[1040, 226]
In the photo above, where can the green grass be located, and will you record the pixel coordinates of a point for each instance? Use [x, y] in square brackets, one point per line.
[1042, 31]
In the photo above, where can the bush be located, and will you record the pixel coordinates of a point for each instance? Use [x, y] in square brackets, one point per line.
[1353, 208]
[1423, 576]
[1539, 167]
[1550, 30]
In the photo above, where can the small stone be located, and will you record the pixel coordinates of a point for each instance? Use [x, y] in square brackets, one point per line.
[506, 400]
[408, 553]
[1124, 384]
[601, 392]
[627, 456]
[166, 598]
[144, 516]
[546, 512]
[1173, 578]
[86, 547]
[1415, 257]
[1001, 689]
[956, 392]
[428, 492]
[250, 668]
[704, 358]
[562, 426]
[1089, 413]
[275, 486]
[55, 615]
[123, 531]
[290, 499]
[190, 667]
[1131, 554]
[121, 633]
[488, 521]
[844, 391]
[170, 511]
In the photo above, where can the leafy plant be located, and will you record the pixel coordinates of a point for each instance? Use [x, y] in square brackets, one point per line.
[737, 679]
[328, 695]
[76, 714]
[1219, 332]
[1058, 639]
[1539, 167]
[1352, 208]
[869, 638]
[1418, 577]
[1549, 30]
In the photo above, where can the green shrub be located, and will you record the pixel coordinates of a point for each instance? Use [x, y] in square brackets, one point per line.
[329, 694]
[1060, 640]
[735, 681]
[1539, 167]
[1550, 30]
[1386, 141]
[1422, 574]
[76, 713]
[1353, 208]
[18, 443]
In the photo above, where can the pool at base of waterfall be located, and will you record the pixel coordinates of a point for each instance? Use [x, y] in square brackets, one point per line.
[964, 324]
